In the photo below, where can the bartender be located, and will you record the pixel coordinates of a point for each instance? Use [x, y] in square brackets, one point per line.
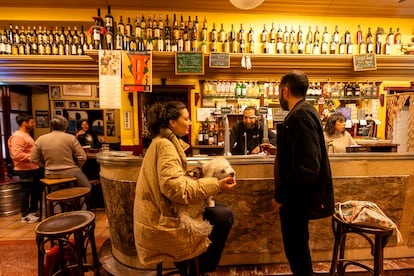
[250, 130]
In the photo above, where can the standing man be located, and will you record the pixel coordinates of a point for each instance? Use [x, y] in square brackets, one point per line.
[60, 153]
[21, 146]
[249, 130]
[303, 182]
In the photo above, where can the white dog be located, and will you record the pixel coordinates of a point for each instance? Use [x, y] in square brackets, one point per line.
[220, 168]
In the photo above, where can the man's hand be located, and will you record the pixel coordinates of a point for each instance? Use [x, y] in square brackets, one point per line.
[227, 183]
[276, 205]
[256, 150]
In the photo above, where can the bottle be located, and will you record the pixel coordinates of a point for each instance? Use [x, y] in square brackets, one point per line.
[324, 47]
[349, 48]
[204, 30]
[316, 47]
[148, 27]
[213, 33]
[222, 34]
[119, 39]
[279, 33]
[233, 40]
[226, 44]
[316, 35]
[286, 35]
[293, 46]
[362, 47]
[301, 47]
[250, 34]
[378, 43]
[325, 35]
[359, 36]
[200, 137]
[387, 46]
[300, 35]
[332, 48]
[279, 46]
[273, 34]
[347, 36]
[397, 37]
[128, 28]
[342, 47]
[390, 37]
[241, 33]
[309, 36]
[292, 34]
[121, 26]
[370, 44]
[96, 32]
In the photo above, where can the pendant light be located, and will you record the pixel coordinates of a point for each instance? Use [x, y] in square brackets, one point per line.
[246, 4]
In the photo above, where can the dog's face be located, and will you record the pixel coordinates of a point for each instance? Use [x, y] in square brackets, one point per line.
[218, 167]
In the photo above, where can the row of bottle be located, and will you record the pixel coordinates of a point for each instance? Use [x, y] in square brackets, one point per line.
[210, 133]
[254, 89]
[43, 41]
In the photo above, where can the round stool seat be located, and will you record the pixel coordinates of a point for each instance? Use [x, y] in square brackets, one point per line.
[65, 223]
[363, 228]
[68, 194]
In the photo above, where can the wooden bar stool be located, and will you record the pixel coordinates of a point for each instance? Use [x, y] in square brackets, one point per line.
[70, 232]
[69, 199]
[50, 183]
[193, 269]
[377, 237]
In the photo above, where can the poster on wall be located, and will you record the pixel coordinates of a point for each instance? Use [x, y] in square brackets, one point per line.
[137, 71]
[110, 79]
[42, 118]
[75, 117]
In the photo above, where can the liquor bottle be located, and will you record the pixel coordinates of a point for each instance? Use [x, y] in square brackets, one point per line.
[96, 33]
[128, 28]
[316, 48]
[316, 35]
[390, 37]
[347, 36]
[200, 137]
[109, 21]
[359, 36]
[119, 39]
[213, 46]
[332, 48]
[286, 35]
[301, 47]
[226, 44]
[279, 46]
[121, 27]
[222, 34]
[160, 26]
[387, 46]
[370, 44]
[194, 39]
[232, 33]
[324, 47]
[397, 37]
[196, 27]
[75, 38]
[187, 44]
[240, 35]
[182, 26]
[149, 46]
[287, 47]
[213, 33]
[83, 39]
[273, 34]
[300, 35]
[356, 89]
[325, 35]
[378, 41]
[362, 47]
[250, 34]
[176, 28]
[349, 48]
[48, 47]
[35, 49]
[336, 35]
[279, 34]
[160, 44]
[148, 27]
[133, 44]
[292, 34]
[309, 36]
[294, 46]
[143, 26]
[204, 30]
[342, 46]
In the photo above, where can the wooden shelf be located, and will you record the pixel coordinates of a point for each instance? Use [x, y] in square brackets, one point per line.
[84, 69]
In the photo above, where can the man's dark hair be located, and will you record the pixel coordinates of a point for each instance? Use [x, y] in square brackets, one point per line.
[297, 82]
[23, 117]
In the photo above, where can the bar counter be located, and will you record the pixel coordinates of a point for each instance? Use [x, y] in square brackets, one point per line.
[384, 178]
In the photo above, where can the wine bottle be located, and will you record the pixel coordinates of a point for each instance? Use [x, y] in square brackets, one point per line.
[213, 33]
[325, 35]
[250, 34]
[359, 36]
[397, 37]
[347, 36]
[286, 35]
[390, 37]
[109, 22]
[222, 34]
[273, 34]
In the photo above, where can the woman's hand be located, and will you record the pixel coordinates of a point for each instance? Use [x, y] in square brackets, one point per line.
[227, 183]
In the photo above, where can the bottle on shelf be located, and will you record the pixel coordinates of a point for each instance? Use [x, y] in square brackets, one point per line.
[390, 37]
[109, 26]
[359, 35]
[397, 37]
[222, 34]
[273, 33]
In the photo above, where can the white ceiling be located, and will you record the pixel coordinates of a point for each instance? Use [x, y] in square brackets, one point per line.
[348, 8]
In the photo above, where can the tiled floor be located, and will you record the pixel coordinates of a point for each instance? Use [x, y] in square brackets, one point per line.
[12, 229]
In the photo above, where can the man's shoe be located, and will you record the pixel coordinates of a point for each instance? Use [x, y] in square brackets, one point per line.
[30, 218]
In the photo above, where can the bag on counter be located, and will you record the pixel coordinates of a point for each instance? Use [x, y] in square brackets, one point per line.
[365, 213]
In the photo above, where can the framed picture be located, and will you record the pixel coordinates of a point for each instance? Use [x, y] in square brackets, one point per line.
[84, 104]
[59, 104]
[72, 104]
[42, 119]
[55, 91]
[75, 117]
[81, 90]
[58, 112]
[95, 104]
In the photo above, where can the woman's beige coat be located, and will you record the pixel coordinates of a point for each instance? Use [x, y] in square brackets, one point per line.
[169, 206]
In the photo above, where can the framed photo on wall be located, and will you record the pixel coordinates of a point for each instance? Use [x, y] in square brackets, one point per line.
[84, 104]
[59, 104]
[72, 104]
[81, 90]
[55, 91]
[58, 112]
[42, 118]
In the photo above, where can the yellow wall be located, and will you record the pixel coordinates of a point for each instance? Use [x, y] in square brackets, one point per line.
[40, 101]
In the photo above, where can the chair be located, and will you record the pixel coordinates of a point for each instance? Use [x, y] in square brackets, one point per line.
[71, 232]
[50, 183]
[192, 268]
[376, 236]
[69, 199]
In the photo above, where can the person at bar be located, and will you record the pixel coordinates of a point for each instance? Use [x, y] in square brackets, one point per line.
[250, 130]
[171, 220]
[86, 136]
[303, 180]
[21, 145]
[60, 153]
[336, 136]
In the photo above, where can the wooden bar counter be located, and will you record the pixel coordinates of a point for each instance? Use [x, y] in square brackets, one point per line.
[384, 178]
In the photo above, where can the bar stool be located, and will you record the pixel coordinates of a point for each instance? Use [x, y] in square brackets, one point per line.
[192, 269]
[59, 229]
[377, 237]
[48, 184]
[69, 199]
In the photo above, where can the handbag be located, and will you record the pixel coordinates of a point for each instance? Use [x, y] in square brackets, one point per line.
[365, 213]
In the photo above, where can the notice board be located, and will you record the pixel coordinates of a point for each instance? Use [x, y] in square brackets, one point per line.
[189, 63]
[365, 62]
[219, 60]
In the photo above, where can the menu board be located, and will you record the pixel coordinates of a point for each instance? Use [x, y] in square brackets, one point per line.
[364, 62]
[189, 63]
[219, 60]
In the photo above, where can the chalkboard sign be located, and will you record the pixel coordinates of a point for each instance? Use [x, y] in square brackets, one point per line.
[365, 62]
[189, 63]
[219, 60]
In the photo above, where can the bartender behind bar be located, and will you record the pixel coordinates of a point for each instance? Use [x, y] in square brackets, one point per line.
[247, 136]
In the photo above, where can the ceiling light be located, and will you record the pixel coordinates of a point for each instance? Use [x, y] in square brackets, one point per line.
[246, 4]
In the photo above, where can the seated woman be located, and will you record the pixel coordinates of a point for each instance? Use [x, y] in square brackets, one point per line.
[171, 221]
[86, 136]
[336, 135]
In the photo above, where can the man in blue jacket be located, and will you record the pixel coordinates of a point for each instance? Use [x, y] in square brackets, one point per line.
[303, 181]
